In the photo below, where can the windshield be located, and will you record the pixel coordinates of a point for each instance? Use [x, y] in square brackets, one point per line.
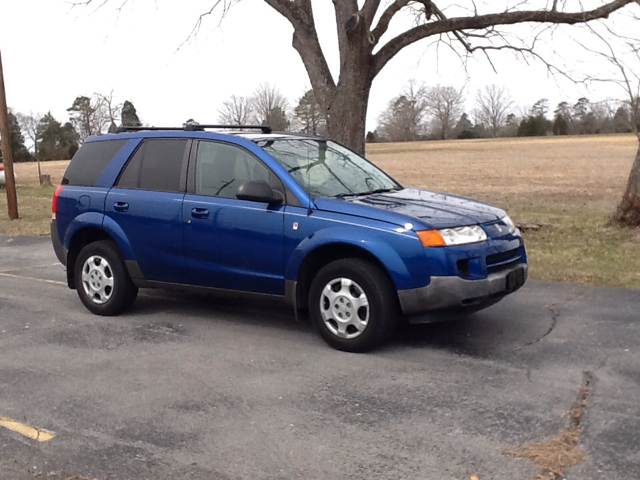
[326, 169]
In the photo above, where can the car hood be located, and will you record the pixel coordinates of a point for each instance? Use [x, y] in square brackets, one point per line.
[433, 209]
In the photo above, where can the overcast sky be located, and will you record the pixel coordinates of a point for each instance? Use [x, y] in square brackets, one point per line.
[53, 52]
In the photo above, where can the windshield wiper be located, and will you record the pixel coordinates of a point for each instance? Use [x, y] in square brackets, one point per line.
[371, 192]
[382, 190]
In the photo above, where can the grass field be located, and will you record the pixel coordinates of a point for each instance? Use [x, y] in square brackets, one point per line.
[570, 183]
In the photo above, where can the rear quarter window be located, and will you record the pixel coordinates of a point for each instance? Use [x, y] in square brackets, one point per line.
[89, 162]
[156, 166]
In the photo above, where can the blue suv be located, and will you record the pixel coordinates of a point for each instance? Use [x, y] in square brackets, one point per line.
[294, 216]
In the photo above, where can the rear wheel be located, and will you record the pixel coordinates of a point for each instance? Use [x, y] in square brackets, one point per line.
[102, 281]
[353, 304]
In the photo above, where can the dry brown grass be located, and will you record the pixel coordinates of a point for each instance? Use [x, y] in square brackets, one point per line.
[552, 455]
[28, 172]
[572, 171]
[561, 451]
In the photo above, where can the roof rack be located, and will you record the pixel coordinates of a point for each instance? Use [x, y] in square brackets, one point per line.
[196, 127]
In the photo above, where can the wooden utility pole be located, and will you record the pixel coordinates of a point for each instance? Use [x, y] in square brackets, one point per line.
[7, 153]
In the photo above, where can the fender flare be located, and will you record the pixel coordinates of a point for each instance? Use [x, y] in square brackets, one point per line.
[84, 220]
[374, 245]
[104, 223]
[111, 227]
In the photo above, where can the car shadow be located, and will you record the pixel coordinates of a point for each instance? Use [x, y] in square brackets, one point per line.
[489, 334]
[466, 335]
[241, 309]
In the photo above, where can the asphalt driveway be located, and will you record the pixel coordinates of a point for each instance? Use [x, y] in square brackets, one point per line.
[203, 388]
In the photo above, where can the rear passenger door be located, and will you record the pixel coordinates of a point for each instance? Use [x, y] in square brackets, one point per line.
[230, 243]
[147, 205]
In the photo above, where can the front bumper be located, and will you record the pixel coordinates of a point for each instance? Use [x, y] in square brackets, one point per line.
[456, 293]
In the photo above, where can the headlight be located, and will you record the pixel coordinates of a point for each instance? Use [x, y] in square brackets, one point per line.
[463, 235]
[509, 223]
[452, 236]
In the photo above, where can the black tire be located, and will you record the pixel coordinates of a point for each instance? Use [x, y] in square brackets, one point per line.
[108, 300]
[382, 305]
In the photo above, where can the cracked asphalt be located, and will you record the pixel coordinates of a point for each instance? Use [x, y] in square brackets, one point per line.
[201, 388]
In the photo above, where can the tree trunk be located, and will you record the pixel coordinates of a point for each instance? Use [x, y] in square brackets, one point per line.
[347, 111]
[347, 115]
[38, 161]
[628, 212]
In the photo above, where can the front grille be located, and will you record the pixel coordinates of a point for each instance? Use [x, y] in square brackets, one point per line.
[502, 261]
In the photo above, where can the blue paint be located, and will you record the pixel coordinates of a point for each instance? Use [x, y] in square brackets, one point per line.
[243, 245]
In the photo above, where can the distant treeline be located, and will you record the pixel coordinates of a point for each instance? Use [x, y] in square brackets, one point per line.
[430, 113]
[419, 112]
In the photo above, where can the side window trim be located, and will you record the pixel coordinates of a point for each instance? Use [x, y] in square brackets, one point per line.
[139, 148]
[191, 171]
[185, 165]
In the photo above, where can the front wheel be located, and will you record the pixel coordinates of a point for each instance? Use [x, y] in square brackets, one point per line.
[102, 280]
[353, 304]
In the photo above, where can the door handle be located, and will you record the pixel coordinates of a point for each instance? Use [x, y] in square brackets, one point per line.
[200, 213]
[121, 206]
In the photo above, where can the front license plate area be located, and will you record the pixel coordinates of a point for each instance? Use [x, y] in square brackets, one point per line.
[515, 280]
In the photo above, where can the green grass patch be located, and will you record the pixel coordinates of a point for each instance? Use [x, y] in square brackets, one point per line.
[34, 208]
[579, 246]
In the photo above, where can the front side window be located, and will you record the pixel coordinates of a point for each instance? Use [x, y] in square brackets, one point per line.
[326, 169]
[222, 168]
[156, 166]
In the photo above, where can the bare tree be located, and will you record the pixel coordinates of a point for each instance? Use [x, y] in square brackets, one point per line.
[89, 116]
[270, 106]
[236, 111]
[366, 43]
[31, 127]
[493, 105]
[403, 119]
[625, 62]
[444, 104]
[109, 109]
[308, 115]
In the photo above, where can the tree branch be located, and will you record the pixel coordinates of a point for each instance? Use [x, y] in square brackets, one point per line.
[305, 40]
[385, 19]
[345, 11]
[292, 10]
[478, 22]
[626, 81]
[369, 10]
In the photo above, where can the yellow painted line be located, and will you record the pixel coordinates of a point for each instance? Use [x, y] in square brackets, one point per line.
[12, 275]
[19, 269]
[27, 430]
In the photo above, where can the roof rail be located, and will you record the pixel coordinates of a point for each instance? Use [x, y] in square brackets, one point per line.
[199, 126]
[196, 127]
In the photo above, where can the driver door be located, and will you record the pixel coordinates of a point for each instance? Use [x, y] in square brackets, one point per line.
[230, 243]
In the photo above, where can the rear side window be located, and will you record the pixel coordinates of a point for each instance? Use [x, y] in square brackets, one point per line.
[89, 162]
[156, 166]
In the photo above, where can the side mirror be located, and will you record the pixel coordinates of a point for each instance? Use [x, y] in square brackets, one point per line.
[258, 191]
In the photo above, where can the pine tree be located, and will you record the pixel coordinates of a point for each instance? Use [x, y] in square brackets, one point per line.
[20, 152]
[129, 116]
[309, 113]
[464, 127]
[58, 142]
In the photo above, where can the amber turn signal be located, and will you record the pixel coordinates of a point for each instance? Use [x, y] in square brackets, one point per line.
[430, 238]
